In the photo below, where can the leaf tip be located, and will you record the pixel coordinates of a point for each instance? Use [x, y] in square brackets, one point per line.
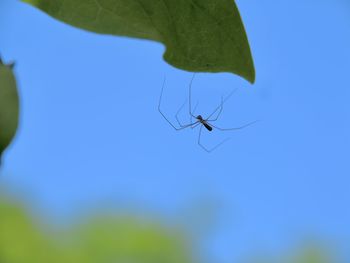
[12, 65]
[250, 74]
[252, 77]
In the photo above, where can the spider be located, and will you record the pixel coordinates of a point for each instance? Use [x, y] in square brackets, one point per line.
[199, 120]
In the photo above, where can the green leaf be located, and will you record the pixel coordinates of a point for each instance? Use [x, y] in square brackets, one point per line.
[21, 241]
[313, 254]
[103, 238]
[199, 35]
[131, 239]
[107, 238]
[9, 106]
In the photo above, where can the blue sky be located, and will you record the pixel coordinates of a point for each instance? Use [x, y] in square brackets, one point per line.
[91, 134]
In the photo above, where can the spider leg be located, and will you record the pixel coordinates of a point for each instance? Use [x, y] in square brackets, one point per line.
[195, 124]
[199, 140]
[220, 107]
[236, 128]
[172, 125]
[220, 111]
[208, 150]
[194, 110]
[190, 97]
[177, 116]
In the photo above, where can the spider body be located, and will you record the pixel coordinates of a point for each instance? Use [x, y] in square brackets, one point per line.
[204, 123]
[199, 120]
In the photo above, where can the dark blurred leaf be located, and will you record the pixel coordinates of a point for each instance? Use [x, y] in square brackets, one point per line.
[199, 35]
[9, 106]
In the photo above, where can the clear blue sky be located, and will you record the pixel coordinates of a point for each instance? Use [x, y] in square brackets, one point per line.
[91, 134]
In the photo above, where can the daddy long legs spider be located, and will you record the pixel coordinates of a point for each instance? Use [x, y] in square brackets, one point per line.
[199, 120]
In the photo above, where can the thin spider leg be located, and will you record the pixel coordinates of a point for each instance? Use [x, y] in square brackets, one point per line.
[196, 124]
[221, 105]
[209, 150]
[194, 110]
[195, 107]
[192, 125]
[177, 113]
[199, 139]
[219, 144]
[236, 128]
[190, 97]
[220, 111]
[172, 125]
[178, 119]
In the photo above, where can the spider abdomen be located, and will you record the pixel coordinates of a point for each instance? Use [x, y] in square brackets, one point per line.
[207, 126]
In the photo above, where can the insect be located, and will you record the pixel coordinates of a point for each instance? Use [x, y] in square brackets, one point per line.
[198, 120]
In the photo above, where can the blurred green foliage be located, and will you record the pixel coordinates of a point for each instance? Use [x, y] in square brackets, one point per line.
[103, 239]
[199, 35]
